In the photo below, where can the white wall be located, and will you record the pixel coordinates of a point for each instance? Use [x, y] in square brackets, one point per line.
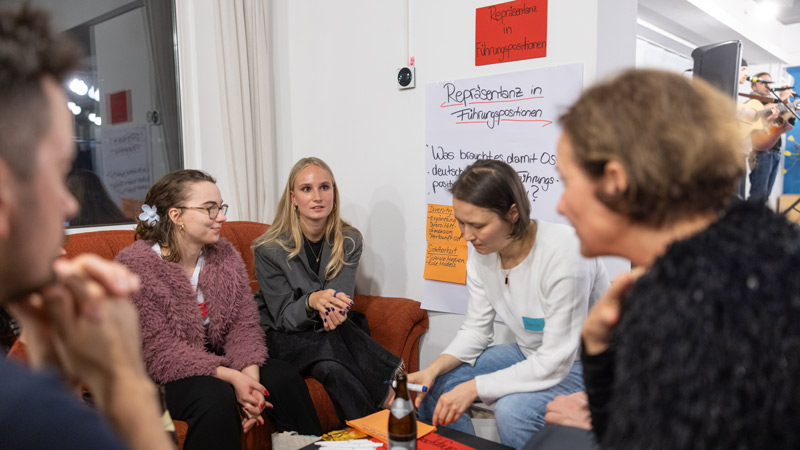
[201, 114]
[655, 56]
[336, 98]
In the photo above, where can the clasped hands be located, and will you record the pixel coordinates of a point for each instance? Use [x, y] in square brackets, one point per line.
[83, 325]
[250, 394]
[332, 306]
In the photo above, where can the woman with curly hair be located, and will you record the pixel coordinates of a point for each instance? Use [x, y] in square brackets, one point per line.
[200, 332]
[306, 268]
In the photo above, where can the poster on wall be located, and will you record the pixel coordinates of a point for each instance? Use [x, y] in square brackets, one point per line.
[120, 107]
[510, 117]
[125, 163]
[511, 31]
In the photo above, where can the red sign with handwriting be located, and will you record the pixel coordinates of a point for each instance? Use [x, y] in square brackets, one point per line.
[430, 441]
[119, 107]
[510, 32]
[433, 441]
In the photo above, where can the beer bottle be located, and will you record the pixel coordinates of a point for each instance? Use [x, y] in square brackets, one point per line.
[402, 418]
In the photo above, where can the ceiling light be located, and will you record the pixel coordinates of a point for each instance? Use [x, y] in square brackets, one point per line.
[78, 86]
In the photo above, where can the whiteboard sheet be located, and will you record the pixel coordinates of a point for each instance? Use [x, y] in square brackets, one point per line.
[510, 116]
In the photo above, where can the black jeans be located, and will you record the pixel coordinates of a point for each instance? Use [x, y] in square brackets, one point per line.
[208, 405]
[350, 365]
[292, 409]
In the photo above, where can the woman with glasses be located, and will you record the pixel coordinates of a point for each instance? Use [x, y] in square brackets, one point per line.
[306, 268]
[200, 332]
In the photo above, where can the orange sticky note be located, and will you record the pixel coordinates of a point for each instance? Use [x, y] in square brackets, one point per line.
[442, 225]
[446, 262]
[377, 425]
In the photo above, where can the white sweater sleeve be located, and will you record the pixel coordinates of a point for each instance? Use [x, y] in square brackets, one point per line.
[477, 332]
[566, 283]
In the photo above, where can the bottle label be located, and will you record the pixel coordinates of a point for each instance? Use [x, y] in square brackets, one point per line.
[402, 445]
[401, 408]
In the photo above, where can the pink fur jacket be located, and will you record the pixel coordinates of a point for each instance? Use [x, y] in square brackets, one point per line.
[174, 340]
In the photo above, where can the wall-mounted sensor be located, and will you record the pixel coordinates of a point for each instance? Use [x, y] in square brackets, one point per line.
[406, 79]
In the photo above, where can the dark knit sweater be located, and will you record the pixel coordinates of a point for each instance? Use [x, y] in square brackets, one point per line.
[707, 352]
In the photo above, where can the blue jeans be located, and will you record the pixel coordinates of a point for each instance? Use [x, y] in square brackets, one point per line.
[518, 415]
[763, 175]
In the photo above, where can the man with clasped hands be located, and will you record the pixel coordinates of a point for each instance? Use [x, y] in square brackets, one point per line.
[75, 314]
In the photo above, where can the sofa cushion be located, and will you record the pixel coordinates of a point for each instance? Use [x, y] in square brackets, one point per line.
[106, 243]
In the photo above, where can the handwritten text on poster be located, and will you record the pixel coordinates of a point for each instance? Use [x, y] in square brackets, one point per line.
[509, 117]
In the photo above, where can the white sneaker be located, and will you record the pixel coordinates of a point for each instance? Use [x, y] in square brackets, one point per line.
[290, 440]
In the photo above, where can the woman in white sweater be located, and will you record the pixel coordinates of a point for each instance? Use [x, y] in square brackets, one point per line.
[529, 273]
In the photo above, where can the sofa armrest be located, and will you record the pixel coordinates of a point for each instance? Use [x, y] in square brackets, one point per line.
[395, 323]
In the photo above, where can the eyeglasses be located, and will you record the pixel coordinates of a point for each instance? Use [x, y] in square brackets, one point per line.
[213, 211]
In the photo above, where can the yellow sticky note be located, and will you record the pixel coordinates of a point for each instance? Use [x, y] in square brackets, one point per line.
[790, 138]
[441, 225]
[787, 153]
[446, 262]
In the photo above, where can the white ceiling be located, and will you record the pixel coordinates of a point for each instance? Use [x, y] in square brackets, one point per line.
[681, 25]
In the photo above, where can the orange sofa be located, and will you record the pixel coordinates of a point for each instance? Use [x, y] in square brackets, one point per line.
[401, 321]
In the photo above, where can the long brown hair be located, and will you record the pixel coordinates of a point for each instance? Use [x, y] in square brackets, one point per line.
[168, 192]
[285, 228]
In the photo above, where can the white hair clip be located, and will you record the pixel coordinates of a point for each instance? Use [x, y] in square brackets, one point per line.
[149, 215]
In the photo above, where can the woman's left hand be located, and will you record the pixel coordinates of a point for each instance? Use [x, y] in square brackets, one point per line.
[249, 394]
[332, 305]
[252, 412]
[605, 314]
[249, 423]
[453, 404]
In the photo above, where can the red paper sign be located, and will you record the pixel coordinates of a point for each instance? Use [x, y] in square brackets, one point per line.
[510, 32]
[433, 441]
[119, 107]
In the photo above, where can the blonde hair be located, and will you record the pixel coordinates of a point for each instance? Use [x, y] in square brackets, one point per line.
[285, 229]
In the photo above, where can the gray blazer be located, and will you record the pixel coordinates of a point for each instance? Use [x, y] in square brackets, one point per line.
[285, 285]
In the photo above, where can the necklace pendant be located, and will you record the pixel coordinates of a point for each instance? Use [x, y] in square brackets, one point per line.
[506, 278]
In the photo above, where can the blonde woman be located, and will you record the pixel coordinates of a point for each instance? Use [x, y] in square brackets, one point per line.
[306, 267]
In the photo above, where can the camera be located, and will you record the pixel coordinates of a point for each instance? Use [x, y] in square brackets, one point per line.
[406, 78]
